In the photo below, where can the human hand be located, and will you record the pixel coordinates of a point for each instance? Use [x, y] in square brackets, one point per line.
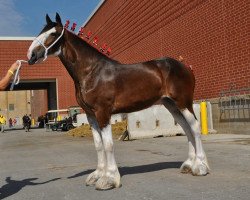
[14, 66]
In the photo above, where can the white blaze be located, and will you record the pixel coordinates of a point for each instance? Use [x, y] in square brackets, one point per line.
[39, 40]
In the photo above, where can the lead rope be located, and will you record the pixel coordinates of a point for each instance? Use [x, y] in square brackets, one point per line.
[17, 77]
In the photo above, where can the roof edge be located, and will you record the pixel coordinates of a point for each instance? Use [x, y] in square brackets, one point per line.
[93, 12]
[16, 38]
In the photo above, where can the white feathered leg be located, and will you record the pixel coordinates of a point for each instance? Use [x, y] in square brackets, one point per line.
[196, 163]
[101, 157]
[112, 178]
[200, 165]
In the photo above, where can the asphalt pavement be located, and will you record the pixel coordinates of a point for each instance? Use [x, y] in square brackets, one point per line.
[53, 166]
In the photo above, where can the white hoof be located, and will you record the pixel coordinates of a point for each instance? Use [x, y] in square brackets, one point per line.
[93, 177]
[200, 168]
[109, 182]
[106, 183]
[186, 167]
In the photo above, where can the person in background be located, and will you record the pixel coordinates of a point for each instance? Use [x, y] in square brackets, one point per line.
[10, 122]
[14, 122]
[2, 123]
[26, 123]
[4, 82]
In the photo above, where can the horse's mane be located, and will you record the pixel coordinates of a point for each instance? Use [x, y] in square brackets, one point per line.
[79, 41]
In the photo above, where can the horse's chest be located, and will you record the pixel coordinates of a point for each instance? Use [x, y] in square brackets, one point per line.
[88, 90]
[88, 85]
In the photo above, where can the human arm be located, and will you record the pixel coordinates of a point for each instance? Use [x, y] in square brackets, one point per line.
[6, 79]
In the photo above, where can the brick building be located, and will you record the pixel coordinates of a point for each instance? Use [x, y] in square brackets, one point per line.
[212, 36]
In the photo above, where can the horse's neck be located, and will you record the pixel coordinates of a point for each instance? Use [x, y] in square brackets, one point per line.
[76, 54]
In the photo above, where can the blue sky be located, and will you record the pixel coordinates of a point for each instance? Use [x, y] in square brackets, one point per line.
[27, 17]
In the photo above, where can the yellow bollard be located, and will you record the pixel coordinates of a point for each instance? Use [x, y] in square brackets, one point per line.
[204, 128]
[33, 122]
[59, 118]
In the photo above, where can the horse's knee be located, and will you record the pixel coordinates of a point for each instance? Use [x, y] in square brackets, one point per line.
[109, 146]
[98, 146]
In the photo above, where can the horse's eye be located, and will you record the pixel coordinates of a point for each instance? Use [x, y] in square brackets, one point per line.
[53, 34]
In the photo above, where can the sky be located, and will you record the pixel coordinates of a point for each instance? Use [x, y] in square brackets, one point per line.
[26, 18]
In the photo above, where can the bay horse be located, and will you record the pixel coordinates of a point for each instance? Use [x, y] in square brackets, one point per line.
[105, 87]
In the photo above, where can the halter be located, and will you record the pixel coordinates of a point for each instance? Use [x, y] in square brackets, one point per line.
[17, 77]
[47, 48]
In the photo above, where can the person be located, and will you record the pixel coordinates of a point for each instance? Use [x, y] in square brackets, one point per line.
[29, 121]
[26, 123]
[74, 116]
[4, 82]
[2, 123]
[14, 122]
[10, 122]
[41, 120]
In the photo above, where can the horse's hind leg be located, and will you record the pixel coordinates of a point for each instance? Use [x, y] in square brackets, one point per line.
[200, 166]
[196, 162]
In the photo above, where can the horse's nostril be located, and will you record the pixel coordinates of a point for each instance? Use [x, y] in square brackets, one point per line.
[33, 58]
[33, 55]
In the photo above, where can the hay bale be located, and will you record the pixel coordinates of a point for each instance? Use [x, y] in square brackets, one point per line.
[85, 130]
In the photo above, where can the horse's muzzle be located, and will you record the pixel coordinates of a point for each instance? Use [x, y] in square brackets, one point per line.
[33, 59]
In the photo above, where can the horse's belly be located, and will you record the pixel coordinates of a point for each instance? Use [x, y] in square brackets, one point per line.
[136, 99]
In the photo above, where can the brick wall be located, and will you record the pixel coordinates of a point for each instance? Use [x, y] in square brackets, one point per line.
[213, 36]
[50, 69]
[39, 103]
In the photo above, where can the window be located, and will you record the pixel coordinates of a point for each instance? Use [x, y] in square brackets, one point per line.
[11, 107]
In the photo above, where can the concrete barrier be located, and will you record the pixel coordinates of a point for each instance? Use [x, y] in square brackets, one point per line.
[157, 121]
[82, 119]
[152, 122]
[116, 118]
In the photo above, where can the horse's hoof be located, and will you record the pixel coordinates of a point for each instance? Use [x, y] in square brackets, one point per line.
[186, 168]
[107, 183]
[200, 169]
[92, 179]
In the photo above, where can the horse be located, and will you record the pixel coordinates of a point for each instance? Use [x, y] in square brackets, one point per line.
[105, 86]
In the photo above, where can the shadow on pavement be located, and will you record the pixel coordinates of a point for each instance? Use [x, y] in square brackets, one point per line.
[149, 168]
[138, 169]
[13, 186]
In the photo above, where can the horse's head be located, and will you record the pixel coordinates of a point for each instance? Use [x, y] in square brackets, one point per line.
[48, 42]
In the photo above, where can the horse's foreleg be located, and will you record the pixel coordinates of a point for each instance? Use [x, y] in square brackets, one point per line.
[112, 178]
[196, 162]
[101, 157]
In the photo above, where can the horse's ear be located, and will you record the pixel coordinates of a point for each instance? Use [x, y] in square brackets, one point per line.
[48, 20]
[58, 19]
